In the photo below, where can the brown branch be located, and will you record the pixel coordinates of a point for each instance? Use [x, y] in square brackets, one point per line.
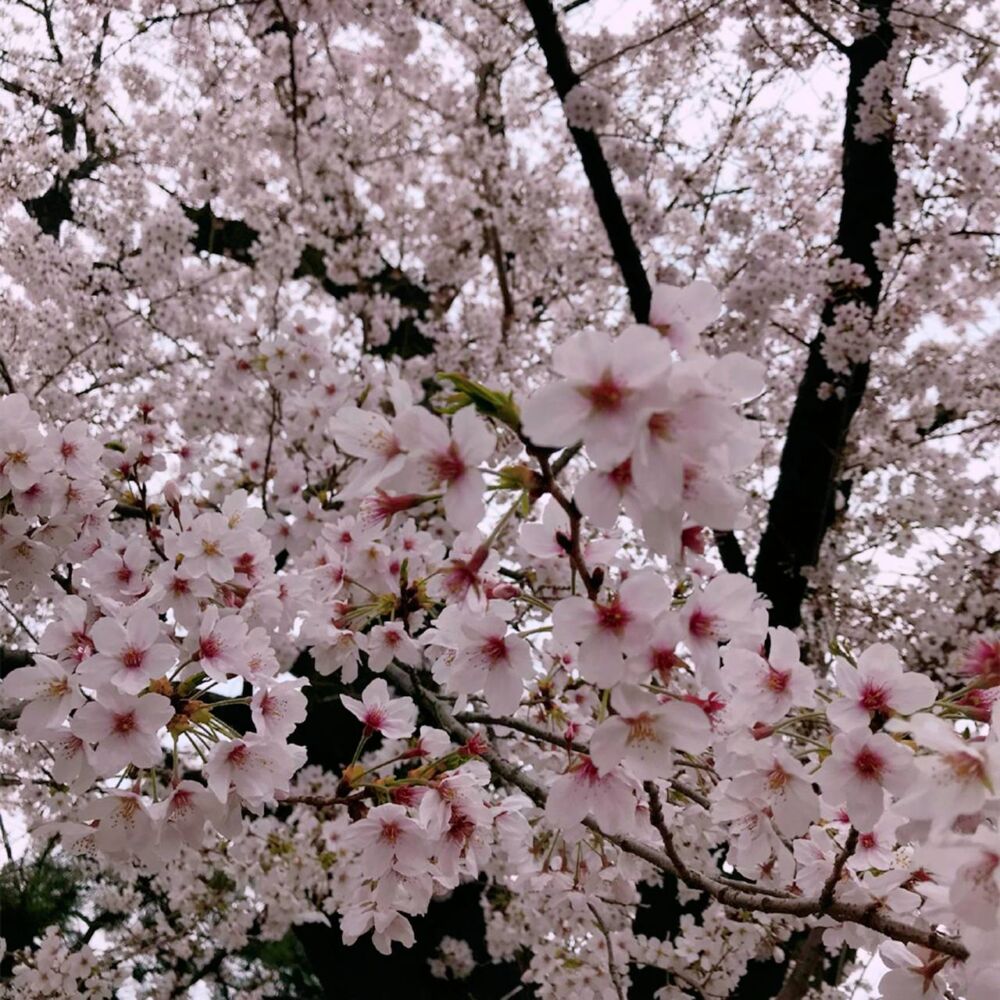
[669, 859]
[595, 165]
[808, 962]
[830, 885]
[802, 507]
[816, 26]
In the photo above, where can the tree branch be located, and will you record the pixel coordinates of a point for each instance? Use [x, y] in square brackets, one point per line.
[595, 165]
[803, 503]
[818, 27]
[669, 860]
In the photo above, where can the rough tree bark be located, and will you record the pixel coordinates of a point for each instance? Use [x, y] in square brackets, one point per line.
[802, 505]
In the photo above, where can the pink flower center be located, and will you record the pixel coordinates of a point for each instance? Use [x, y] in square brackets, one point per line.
[777, 680]
[874, 698]
[132, 658]
[640, 729]
[613, 617]
[57, 687]
[606, 395]
[209, 647]
[495, 649]
[246, 564]
[693, 538]
[663, 661]
[124, 724]
[124, 574]
[966, 767]
[868, 764]
[375, 717]
[661, 425]
[390, 832]
[867, 841]
[239, 755]
[621, 475]
[448, 465]
[777, 777]
[984, 659]
[702, 625]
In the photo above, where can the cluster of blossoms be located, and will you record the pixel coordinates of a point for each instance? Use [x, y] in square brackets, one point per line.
[550, 704]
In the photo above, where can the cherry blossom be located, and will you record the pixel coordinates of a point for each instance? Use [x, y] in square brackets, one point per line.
[583, 791]
[768, 688]
[602, 396]
[128, 655]
[278, 708]
[449, 462]
[607, 631]
[123, 729]
[390, 839]
[353, 338]
[492, 661]
[219, 647]
[50, 689]
[877, 685]
[680, 314]
[390, 641]
[254, 767]
[644, 731]
[859, 771]
[394, 718]
[727, 609]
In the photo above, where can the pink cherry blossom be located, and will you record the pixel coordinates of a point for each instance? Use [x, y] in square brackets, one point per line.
[25, 454]
[600, 397]
[210, 546]
[124, 729]
[491, 660]
[644, 732]
[124, 824]
[680, 314]
[254, 767]
[782, 783]
[583, 791]
[914, 973]
[129, 655]
[608, 630]
[767, 689]
[389, 839]
[369, 436]
[120, 572]
[449, 462]
[862, 767]
[388, 642]
[878, 685]
[955, 779]
[68, 637]
[394, 718]
[180, 817]
[728, 609]
[51, 690]
[277, 708]
[220, 644]
[77, 452]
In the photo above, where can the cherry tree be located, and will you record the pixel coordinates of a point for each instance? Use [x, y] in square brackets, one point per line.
[499, 500]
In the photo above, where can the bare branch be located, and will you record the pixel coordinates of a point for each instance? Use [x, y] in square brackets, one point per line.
[817, 27]
[595, 165]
